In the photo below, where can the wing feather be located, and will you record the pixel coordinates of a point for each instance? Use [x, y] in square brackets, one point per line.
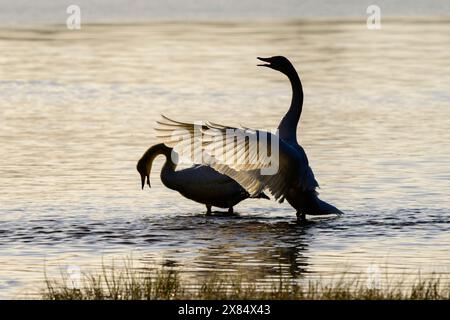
[243, 156]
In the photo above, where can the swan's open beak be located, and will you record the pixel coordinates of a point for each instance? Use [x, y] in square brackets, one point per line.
[143, 181]
[264, 64]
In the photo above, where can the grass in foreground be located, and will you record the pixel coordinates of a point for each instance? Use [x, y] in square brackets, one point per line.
[130, 284]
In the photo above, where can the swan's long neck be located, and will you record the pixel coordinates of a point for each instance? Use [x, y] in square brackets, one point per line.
[169, 166]
[288, 125]
[168, 173]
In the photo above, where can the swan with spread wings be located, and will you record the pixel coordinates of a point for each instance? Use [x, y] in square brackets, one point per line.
[246, 154]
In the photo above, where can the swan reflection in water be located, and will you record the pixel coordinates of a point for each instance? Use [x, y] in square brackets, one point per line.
[258, 248]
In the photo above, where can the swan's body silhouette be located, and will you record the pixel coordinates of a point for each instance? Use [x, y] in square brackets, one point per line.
[294, 180]
[198, 183]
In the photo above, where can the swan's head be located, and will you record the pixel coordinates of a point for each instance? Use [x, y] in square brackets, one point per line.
[144, 165]
[278, 63]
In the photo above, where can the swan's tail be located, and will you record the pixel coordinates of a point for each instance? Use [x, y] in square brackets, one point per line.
[326, 208]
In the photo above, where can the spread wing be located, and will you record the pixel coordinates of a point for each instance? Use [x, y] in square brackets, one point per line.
[256, 159]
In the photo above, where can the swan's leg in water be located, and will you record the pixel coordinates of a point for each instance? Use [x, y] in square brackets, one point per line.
[301, 217]
[230, 210]
[208, 210]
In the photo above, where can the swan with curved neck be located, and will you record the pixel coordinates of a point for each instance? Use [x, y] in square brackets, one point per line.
[294, 180]
[288, 125]
[198, 183]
